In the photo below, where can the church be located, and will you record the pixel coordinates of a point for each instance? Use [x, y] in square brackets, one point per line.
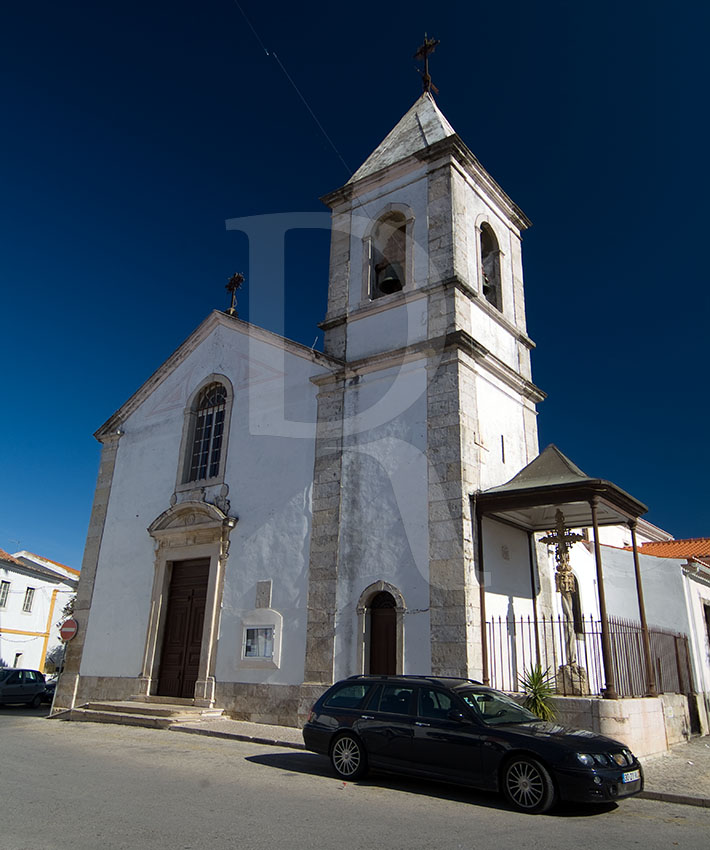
[269, 518]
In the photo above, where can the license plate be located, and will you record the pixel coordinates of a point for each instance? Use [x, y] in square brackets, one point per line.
[631, 776]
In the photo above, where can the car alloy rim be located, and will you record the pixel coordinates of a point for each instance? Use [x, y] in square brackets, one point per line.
[346, 756]
[525, 784]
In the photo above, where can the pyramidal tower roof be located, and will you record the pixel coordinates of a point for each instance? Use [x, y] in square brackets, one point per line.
[421, 127]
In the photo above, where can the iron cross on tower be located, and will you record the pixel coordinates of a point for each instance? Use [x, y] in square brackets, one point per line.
[422, 54]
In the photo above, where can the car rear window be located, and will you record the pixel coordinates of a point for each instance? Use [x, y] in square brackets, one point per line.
[348, 696]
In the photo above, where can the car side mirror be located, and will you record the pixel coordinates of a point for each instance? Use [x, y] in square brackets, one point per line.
[458, 716]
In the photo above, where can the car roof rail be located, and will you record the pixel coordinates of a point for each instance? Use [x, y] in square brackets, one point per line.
[423, 676]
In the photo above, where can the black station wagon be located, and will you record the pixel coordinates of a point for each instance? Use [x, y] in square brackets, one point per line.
[458, 730]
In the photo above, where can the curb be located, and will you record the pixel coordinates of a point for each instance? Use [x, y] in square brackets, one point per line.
[233, 736]
[682, 799]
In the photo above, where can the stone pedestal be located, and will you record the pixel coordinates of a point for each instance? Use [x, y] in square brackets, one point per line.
[572, 680]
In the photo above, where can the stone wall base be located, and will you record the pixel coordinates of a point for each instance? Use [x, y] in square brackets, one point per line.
[646, 725]
[282, 705]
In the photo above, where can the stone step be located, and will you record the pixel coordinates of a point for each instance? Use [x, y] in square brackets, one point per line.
[170, 710]
[162, 700]
[120, 718]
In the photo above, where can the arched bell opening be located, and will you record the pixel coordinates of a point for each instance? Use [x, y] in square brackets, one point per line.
[389, 255]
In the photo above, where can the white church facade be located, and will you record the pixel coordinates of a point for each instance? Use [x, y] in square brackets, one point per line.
[269, 518]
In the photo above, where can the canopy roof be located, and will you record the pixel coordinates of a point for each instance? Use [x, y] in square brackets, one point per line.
[551, 481]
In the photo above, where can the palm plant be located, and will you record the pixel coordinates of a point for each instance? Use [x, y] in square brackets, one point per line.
[538, 687]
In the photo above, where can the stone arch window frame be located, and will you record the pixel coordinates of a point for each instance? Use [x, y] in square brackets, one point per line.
[186, 531]
[482, 222]
[363, 624]
[368, 281]
[188, 435]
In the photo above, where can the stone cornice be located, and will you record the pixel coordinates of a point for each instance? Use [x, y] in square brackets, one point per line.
[456, 340]
[455, 147]
[452, 146]
[111, 428]
[494, 365]
[381, 304]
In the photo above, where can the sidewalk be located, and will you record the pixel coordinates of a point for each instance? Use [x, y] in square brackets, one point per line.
[679, 776]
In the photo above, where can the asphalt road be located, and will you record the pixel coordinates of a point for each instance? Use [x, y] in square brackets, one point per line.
[84, 786]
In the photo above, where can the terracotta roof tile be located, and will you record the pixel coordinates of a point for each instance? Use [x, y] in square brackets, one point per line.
[692, 547]
[6, 556]
[56, 563]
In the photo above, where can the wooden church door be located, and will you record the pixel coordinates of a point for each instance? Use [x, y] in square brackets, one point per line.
[383, 635]
[182, 640]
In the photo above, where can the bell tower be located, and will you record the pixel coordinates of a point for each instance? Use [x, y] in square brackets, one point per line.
[434, 400]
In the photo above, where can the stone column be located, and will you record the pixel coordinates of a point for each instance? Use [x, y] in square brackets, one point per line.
[69, 680]
[323, 564]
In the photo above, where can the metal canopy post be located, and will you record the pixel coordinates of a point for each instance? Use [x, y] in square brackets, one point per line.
[533, 590]
[650, 677]
[610, 690]
[482, 599]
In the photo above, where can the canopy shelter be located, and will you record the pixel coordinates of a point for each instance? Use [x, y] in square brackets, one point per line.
[529, 502]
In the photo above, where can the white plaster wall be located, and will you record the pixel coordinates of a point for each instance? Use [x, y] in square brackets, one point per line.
[41, 619]
[506, 557]
[500, 413]
[663, 592]
[495, 338]
[697, 593]
[384, 526]
[269, 472]
[396, 327]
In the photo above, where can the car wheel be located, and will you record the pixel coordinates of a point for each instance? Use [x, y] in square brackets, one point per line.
[348, 757]
[36, 701]
[528, 785]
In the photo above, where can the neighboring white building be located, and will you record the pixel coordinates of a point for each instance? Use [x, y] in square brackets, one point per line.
[33, 593]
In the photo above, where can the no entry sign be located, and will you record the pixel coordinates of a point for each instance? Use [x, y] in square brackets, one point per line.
[68, 629]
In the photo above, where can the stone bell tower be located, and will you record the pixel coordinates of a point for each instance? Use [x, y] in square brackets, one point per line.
[433, 402]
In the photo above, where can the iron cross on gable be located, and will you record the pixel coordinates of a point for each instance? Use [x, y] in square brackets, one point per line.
[422, 55]
[235, 283]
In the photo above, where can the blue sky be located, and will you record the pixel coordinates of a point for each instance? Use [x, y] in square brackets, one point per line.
[133, 131]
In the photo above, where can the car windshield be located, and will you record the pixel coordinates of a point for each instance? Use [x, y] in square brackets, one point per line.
[495, 708]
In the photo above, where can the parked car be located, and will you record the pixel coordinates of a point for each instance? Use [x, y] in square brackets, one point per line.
[50, 686]
[20, 685]
[458, 730]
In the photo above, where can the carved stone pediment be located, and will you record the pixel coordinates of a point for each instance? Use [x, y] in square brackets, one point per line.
[190, 516]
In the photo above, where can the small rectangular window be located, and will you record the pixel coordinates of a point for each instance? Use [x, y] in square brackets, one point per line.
[259, 642]
[29, 599]
[4, 590]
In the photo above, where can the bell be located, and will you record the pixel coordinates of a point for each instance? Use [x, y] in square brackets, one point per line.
[388, 280]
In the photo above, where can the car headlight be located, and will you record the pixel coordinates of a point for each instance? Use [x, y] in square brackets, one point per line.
[586, 759]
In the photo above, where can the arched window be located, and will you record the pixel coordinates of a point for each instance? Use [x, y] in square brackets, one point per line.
[206, 449]
[389, 255]
[490, 267]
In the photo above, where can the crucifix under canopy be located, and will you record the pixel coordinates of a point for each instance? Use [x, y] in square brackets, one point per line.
[563, 539]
